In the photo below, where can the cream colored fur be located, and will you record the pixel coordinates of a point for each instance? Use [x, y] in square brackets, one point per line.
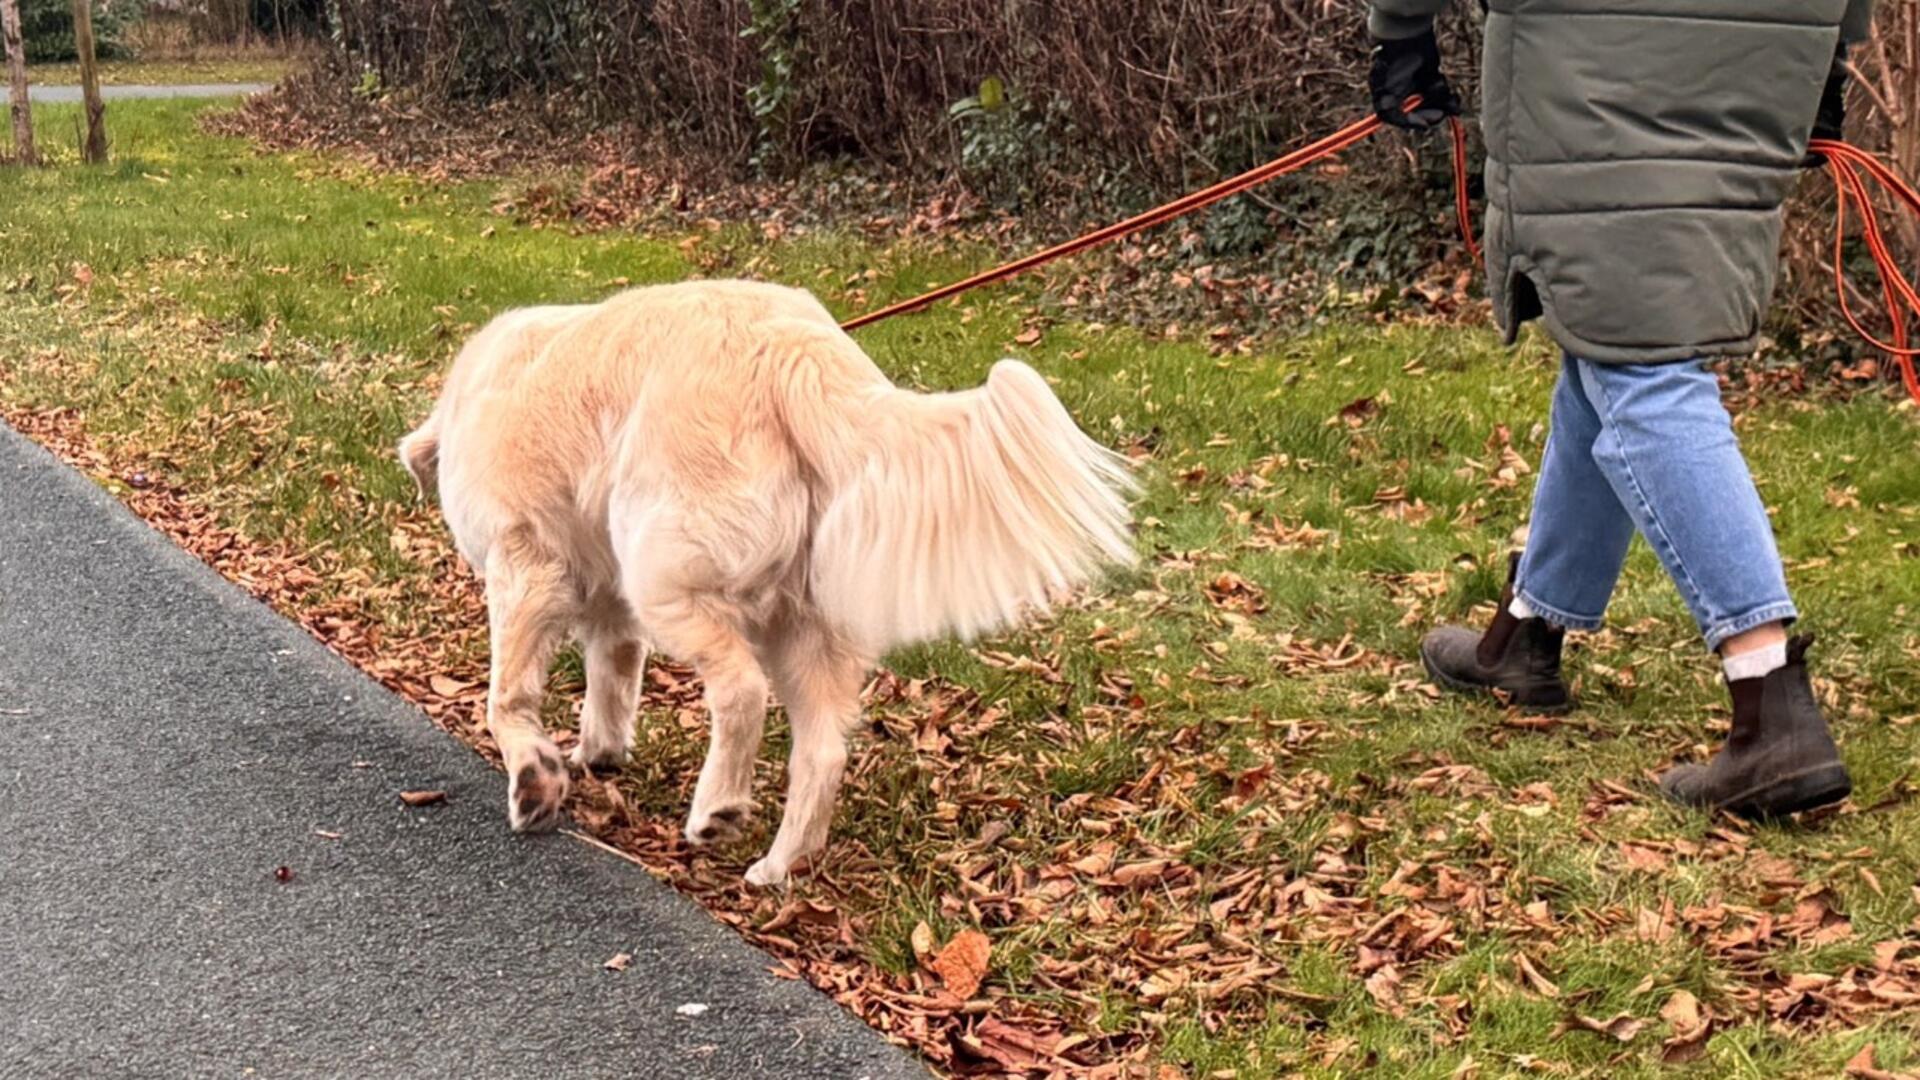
[716, 470]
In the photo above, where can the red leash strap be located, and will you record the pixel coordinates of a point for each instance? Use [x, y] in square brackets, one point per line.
[1847, 162]
[1462, 205]
[1187, 204]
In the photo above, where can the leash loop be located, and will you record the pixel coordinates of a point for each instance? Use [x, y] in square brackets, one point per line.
[1847, 162]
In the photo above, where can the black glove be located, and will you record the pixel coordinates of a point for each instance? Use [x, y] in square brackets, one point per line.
[1404, 67]
[1831, 120]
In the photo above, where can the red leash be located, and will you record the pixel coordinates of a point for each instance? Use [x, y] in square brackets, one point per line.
[1187, 204]
[1846, 162]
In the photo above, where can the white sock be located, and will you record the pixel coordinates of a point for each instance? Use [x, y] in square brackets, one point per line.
[1756, 664]
[1519, 609]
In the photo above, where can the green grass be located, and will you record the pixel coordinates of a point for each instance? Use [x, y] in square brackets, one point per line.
[240, 69]
[262, 328]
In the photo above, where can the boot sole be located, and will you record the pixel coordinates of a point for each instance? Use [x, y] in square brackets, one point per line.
[1461, 686]
[1804, 789]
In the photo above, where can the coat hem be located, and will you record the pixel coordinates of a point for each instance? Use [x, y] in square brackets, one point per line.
[1600, 352]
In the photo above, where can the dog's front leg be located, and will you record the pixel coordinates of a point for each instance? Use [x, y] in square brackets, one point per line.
[616, 661]
[528, 611]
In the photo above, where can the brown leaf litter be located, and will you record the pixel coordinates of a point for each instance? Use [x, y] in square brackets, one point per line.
[1152, 925]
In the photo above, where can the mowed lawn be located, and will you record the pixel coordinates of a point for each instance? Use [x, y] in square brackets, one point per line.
[1213, 818]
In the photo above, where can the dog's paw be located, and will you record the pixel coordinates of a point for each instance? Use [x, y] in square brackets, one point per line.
[536, 791]
[768, 873]
[587, 756]
[721, 824]
[777, 871]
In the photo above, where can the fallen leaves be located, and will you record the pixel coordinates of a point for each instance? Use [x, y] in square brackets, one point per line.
[922, 941]
[1815, 922]
[1623, 1027]
[617, 962]
[1231, 592]
[423, 798]
[1358, 411]
[962, 965]
[1531, 974]
[1688, 1026]
[1643, 859]
[1301, 656]
[448, 687]
[1384, 987]
[1014, 1047]
[1861, 1067]
[800, 911]
[1274, 535]
[1142, 874]
[1097, 862]
[1105, 888]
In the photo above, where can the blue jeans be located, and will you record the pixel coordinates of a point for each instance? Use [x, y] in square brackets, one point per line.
[1649, 447]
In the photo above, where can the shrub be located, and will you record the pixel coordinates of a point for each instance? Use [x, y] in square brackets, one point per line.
[47, 27]
[1148, 86]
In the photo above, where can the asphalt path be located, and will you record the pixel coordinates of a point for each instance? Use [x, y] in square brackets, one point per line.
[170, 744]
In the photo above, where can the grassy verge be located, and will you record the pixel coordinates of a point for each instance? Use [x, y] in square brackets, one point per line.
[1213, 819]
[247, 69]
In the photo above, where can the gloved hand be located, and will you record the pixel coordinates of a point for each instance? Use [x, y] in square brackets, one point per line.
[1831, 120]
[1407, 66]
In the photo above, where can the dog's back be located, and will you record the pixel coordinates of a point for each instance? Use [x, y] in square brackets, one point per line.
[545, 405]
[743, 415]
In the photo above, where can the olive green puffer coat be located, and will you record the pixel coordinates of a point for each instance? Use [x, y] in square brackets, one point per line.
[1638, 152]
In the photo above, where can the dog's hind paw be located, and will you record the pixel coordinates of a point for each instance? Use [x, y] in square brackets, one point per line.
[720, 825]
[777, 871]
[768, 874]
[585, 757]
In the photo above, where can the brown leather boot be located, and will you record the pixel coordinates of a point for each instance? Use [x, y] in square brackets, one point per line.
[1516, 660]
[1779, 758]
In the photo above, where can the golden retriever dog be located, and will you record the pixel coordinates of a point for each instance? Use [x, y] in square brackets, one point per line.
[717, 471]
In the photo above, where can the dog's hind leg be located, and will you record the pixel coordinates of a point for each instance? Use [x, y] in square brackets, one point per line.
[737, 701]
[818, 679]
[701, 628]
[529, 609]
[616, 662]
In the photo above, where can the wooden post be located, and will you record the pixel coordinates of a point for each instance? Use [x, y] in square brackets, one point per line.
[17, 77]
[94, 150]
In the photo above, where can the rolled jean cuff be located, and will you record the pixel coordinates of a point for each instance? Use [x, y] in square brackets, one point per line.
[1779, 612]
[1556, 616]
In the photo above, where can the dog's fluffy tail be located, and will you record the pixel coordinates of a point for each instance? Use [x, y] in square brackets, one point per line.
[955, 513]
[420, 453]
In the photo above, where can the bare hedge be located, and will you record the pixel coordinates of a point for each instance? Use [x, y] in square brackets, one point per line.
[1130, 99]
[1161, 87]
